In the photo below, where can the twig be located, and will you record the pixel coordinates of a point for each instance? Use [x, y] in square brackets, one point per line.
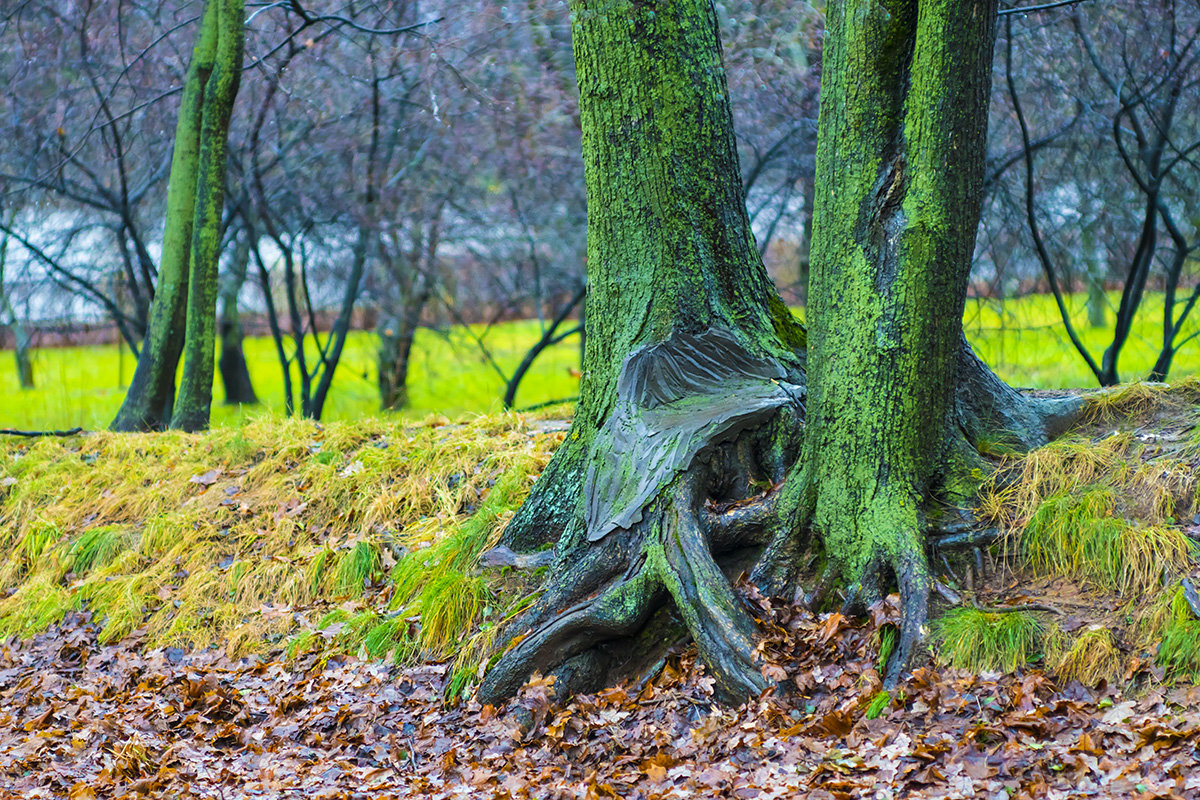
[949, 569]
[32, 434]
[978, 537]
[1044, 7]
[949, 595]
[1024, 607]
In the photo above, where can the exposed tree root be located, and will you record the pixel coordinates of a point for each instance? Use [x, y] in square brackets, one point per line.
[586, 627]
[605, 611]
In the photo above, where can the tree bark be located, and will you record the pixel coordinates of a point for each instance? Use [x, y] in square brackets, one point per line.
[194, 400]
[151, 393]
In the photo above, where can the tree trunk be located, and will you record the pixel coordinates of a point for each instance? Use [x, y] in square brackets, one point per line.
[395, 350]
[673, 261]
[694, 375]
[151, 393]
[892, 252]
[194, 400]
[235, 374]
[21, 355]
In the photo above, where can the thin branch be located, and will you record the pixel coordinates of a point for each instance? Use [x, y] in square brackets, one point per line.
[1030, 9]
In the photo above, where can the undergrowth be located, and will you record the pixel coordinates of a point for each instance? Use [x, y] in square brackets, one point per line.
[345, 537]
[1106, 508]
[980, 641]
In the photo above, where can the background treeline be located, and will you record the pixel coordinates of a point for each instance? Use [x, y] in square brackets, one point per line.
[403, 165]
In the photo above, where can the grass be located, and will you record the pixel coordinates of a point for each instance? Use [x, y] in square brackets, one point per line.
[84, 386]
[1179, 652]
[981, 641]
[359, 536]
[1024, 341]
[1092, 657]
[1104, 510]
[1021, 338]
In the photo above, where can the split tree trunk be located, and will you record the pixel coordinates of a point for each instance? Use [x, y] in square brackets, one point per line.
[151, 393]
[183, 315]
[194, 399]
[695, 372]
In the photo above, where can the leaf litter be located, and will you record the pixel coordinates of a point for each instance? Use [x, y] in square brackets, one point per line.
[82, 719]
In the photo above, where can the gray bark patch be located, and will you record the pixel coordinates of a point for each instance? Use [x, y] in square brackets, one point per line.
[674, 399]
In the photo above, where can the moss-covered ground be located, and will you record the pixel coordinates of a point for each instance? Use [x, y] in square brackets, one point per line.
[364, 537]
[275, 535]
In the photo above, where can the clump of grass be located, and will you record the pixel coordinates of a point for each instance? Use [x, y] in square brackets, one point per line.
[1139, 399]
[887, 638]
[1179, 652]
[878, 705]
[1091, 658]
[982, 641]
[355, 569]
[436, 582]
[96, 547]
[1078, 534]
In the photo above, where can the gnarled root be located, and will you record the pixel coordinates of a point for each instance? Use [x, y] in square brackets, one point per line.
[592, 621]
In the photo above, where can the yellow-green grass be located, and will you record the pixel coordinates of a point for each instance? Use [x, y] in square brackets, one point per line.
[84, 386]
[1106, 510]
[269, 534]
[1022, 338]
[1092, 656]
[975, 640]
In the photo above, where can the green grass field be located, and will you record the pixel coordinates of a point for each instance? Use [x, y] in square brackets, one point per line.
[1021, 338]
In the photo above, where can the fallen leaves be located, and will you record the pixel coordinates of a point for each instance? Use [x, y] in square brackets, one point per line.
[84, 721]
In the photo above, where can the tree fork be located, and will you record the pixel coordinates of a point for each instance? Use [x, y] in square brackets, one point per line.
[697, 381]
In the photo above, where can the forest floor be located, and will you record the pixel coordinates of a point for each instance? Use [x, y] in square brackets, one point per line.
[1077, 680]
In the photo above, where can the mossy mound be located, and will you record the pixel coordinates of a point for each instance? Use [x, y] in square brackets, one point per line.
[278, 533]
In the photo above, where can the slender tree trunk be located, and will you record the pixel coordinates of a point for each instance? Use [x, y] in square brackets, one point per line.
[10, 320]
[1097, 300]
[151, 393]
[235, 374]
[396, 337]
[194, 400]
[21, 344]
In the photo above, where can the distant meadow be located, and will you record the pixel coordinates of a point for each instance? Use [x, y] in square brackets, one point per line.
[1021, 338]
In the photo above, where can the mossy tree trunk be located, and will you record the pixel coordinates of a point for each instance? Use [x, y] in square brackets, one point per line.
[151, 393]
[194, 399]
[689, 458]
[184, 310]
[900, 156]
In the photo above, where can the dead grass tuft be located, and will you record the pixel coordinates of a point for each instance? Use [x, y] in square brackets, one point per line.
[238, 536]
[1092, 657]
